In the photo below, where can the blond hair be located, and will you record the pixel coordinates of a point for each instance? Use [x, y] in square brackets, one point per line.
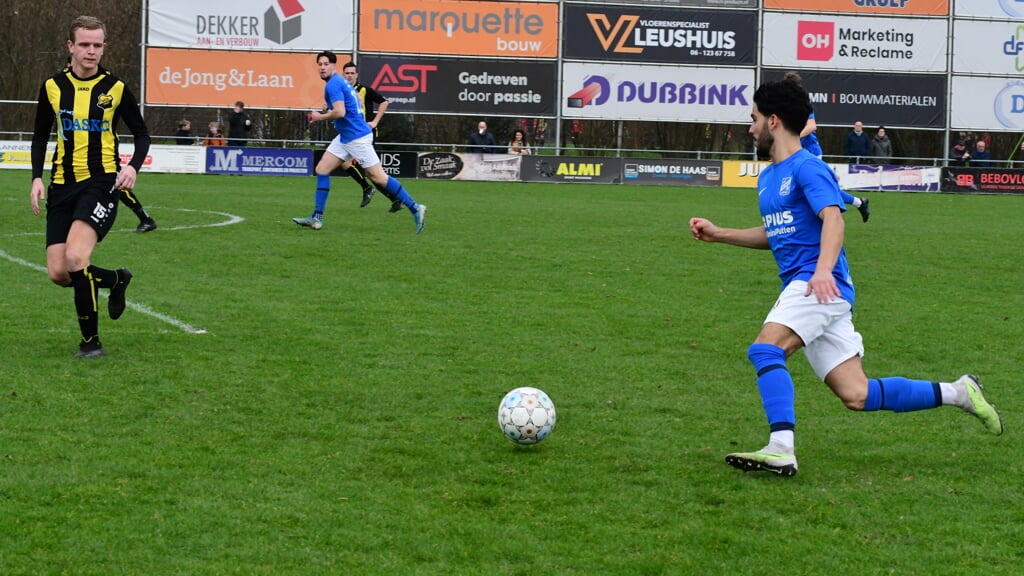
[86, 23]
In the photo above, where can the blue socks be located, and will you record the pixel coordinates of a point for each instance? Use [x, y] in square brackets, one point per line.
[323, 188]
[395, 188]
[775, 384]
[847, 197]
[902, 394]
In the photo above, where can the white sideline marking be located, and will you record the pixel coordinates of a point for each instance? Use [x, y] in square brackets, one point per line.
[142, 308]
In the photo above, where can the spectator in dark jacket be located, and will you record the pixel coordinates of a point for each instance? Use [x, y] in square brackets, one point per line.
[881, 147]
[481, 141]
[239, 125]
[981, 158]
[857, 145]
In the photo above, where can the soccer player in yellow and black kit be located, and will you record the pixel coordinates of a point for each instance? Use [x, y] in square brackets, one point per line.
[87, 102]
[374, 105]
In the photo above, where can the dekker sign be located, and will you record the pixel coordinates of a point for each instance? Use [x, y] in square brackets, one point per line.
[509, 29]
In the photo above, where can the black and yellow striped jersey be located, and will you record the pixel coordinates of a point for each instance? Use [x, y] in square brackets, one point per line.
[371, 100]
[87, 112]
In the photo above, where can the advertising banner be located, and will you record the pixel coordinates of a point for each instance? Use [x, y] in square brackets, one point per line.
[892, 100]
[219, 78]
[1001, 9]
[161, 158]
[452, 166]
[987, 104]
[988, 180]
[459, 27]
[259, 161]
[986, 47]
[885, 7]
[672, 93]
[701, 3]
[309, 25]
[888, 178]
[446, 85]
[396, 164]
[854, 43]
[671, 172]
[571, 169]
[18, 154]
[599, 32]
[741, 173]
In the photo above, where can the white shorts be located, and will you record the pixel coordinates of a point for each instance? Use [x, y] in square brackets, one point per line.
[826, 329]
[360, 149]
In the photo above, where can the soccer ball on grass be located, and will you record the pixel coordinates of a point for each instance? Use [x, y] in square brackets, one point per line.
[526, 415]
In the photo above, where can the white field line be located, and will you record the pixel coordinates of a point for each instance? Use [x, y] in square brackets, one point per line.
[137, 306]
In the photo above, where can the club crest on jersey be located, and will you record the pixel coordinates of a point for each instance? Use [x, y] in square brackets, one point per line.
[786, 184]
[105, 101]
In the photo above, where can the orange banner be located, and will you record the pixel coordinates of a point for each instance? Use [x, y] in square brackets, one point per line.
[510, 29]
[886, 7]
[221, 77]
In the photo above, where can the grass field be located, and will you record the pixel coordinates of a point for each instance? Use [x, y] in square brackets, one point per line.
[282, 401]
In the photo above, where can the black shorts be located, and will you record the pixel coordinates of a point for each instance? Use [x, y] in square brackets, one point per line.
[92, 201]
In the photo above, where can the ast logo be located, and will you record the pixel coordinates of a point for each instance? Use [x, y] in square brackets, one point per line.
[815, 40]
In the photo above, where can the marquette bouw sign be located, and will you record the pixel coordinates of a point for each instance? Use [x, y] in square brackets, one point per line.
[462, 28]
[312, 25]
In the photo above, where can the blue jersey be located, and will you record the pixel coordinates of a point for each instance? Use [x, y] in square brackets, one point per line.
[810, 142]
[353, 124]
[791, 194]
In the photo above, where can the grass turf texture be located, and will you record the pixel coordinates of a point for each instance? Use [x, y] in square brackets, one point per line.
[339, 415]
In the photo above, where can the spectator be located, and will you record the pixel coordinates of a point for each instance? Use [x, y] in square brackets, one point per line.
[881, 147]
[959, 155]
[576, 133]
[184, 134]
[239, 125]
[518, 144]
[981, 158]
[481, 141]
[857, 145]
[214, 137]
[540, 130]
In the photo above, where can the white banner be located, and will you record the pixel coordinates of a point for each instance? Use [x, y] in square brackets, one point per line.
[794, 40]
[672, 93]
[161, 158]
[1002, 9]
[986, 47]
[995, 104]
[309, 26]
